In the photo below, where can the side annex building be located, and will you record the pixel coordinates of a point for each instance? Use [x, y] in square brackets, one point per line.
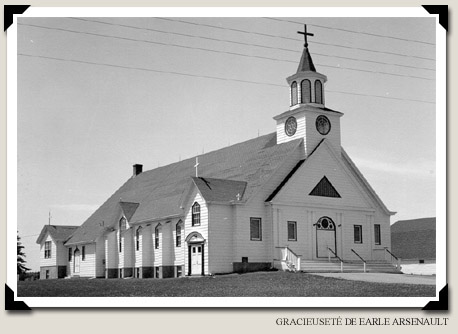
[291, 199]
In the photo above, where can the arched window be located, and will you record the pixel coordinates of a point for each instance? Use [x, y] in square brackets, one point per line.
[122, 224]
[294, 93]
[306, 91]
[157, 230]
[318, 92]
[137, 238]
[179, 227]
[196, 214]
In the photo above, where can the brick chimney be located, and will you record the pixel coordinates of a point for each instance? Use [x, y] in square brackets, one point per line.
[137, 169]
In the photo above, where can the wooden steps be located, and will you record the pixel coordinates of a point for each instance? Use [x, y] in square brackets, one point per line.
[333, 266]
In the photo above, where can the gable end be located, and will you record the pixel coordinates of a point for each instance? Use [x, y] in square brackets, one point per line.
[324, 188]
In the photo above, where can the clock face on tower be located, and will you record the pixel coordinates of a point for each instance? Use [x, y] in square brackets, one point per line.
[323, 125]
[290, 126]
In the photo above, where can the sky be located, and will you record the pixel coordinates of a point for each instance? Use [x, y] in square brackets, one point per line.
[97, 95]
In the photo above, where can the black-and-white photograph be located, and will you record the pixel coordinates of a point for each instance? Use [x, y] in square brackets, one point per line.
[212, 154]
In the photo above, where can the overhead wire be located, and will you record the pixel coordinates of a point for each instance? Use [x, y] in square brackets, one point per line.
[215, 51]
[202, 76]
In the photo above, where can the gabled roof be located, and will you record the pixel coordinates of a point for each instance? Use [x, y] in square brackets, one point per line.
[410, 225]
[306, 63]
[159, 192]
[128, 209]
[57, 232]
[220, 190]
[348, 164]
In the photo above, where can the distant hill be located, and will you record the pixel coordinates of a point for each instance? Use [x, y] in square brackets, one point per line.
[414, 239]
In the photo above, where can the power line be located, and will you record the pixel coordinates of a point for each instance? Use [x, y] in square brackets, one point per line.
[202, 76]
[216, 51]
[293, 39]
[247, 44]
[354, 31]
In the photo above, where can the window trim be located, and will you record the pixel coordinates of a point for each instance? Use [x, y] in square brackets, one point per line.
[253, 219]
[377, 234]
[178, 236]
[309, 91]
[137, 238]
[195, 215]
[294, 223]
[157, 230]
[48, 248]
[320, 90]
[294, 94]
[122, 224]
[360, 234]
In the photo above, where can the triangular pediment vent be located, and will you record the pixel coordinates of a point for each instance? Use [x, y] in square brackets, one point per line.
[324, 188]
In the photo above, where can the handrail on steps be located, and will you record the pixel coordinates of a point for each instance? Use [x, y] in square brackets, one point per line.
[398, 260]
[296, 260]
[364, 261]
[335, 255]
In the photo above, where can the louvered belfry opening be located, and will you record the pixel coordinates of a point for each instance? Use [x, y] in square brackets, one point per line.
[324, 188]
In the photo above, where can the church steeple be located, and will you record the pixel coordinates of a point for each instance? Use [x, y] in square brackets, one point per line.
[306, 86]
[307, 117]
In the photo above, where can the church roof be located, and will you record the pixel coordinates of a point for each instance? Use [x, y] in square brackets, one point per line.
[220, 190]
[410, 225]
[57, 232]
[306, 62]
[159, 192]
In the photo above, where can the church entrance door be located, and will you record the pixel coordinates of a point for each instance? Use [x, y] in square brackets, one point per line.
[325, 237]
[196, 259]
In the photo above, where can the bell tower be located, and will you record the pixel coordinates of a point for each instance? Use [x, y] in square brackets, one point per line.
[307, 117]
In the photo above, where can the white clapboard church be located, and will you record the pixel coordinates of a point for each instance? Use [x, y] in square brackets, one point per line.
[292, 199]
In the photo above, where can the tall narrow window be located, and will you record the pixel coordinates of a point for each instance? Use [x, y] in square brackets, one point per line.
[137, 238]
[196, 214]
[318, 92]
[83, 253]
[178, 233]
[292, 231]
[255, 229]
[157, 230]
[358, 234]
[70, 254]
[122, 224]
[377, 235]
[47, 249]
[306, 91]
[294, 93]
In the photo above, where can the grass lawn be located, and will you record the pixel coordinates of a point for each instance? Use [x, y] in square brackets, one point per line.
[260, 284]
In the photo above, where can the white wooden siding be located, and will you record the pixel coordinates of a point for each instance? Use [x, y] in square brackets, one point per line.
[282, 137]
[220, 231]
[87, 267]
[168, 249]
[314, 137]
[51, 261]
[260, 251]
[61, 254]
[158, 251]
[147, 246]
[179, 251]
[100, 257]
[202, 228]
[111, 250]
[128, 248]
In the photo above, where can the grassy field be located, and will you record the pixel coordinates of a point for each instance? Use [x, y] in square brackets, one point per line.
[261, 284]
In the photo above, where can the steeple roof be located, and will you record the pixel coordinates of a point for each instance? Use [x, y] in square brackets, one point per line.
[306, 63]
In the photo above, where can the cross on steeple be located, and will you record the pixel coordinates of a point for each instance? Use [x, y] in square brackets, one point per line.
[305, 33]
